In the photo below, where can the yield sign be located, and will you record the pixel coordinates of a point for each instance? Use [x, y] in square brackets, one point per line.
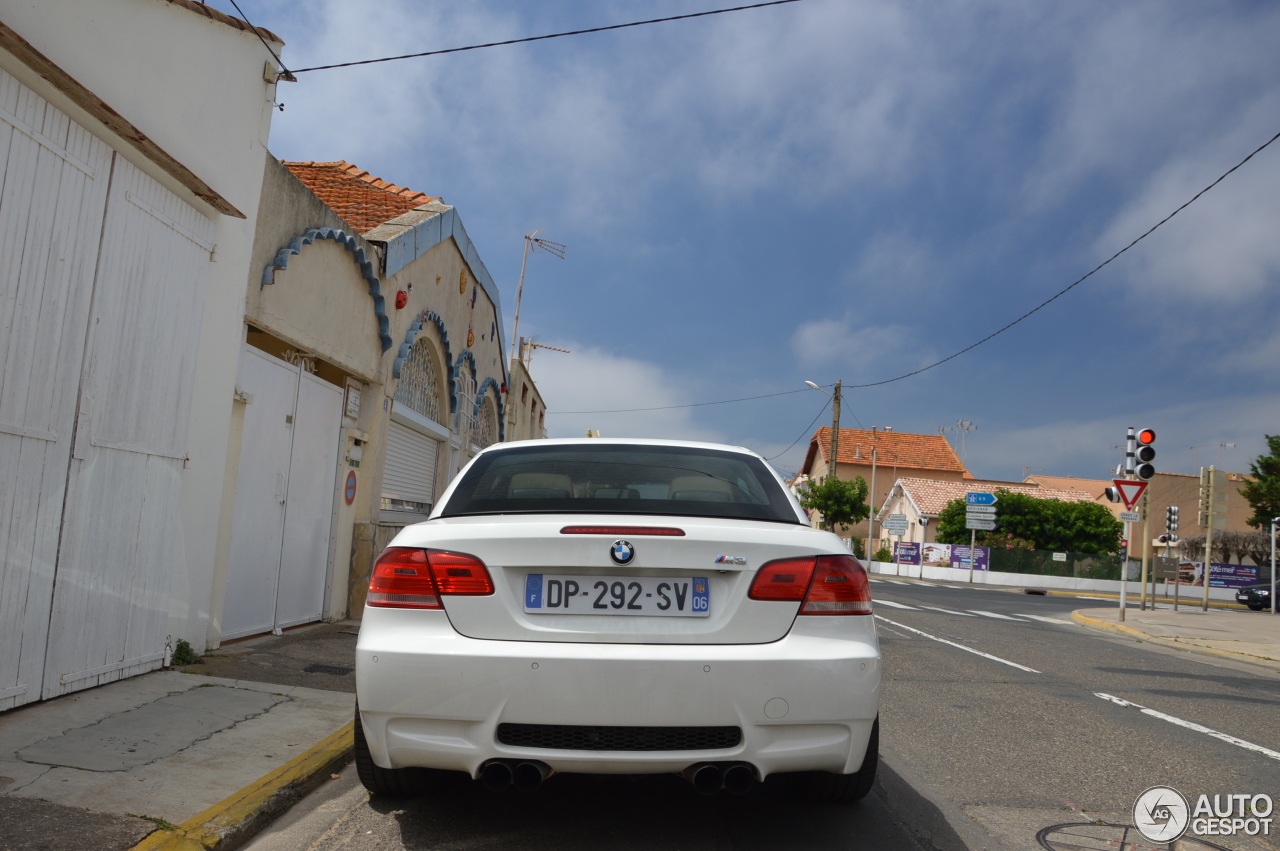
[1130, 492]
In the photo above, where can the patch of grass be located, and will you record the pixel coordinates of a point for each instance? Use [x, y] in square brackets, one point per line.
[159, 822]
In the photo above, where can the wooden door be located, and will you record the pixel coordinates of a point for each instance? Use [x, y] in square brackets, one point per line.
[53, 188]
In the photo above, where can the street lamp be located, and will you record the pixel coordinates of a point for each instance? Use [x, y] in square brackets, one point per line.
[835, 424]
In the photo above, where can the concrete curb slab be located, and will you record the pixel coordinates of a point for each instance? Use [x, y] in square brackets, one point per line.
[232, 821]
[1130, 632]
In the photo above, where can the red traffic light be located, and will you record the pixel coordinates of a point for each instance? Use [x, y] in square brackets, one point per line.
[1147, 436]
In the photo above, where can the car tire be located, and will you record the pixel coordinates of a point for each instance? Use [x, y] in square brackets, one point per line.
[1257, 607]
[827, 788]
[389, 782]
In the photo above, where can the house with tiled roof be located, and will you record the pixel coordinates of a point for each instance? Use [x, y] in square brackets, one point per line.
[879, 456]
[923, 499]
[368, 303]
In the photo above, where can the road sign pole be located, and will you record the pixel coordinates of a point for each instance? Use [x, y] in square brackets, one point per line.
[973, 537]
[1146, 549]
[897, 558]
[1208, 535]
[1124, 569]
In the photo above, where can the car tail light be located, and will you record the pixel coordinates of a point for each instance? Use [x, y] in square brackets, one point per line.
[409, 578]
[631, 531]
[839, 587]
[463, 575]
[785, 579]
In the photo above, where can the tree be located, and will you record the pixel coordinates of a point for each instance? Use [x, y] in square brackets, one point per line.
[839, 502]
[1263, 492]
[1037, 523]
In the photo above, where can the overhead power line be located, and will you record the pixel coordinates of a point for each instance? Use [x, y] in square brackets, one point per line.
[1076, 282]
[285, 73]
[545, 37]
[1006, 327]
[825, 405]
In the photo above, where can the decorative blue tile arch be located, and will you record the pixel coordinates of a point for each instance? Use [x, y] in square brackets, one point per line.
[497, 395]
[367, 271]
[457, 366]
[415, 326]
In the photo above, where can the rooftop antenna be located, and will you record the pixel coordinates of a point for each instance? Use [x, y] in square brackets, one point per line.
[1221, 448]
[528, 345]
[1026, 468]
[532, 242]
[964, 427]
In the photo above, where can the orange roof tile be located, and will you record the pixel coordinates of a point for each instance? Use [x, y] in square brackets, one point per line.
[922, 451]
[931, 496]
[362, 200]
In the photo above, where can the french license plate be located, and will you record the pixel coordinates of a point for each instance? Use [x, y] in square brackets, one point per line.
[643, 596]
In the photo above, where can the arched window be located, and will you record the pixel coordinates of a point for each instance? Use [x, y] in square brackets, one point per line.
[421, 383]
[486, 428]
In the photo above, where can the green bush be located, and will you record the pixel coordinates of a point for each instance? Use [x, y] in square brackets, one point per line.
[183, 654]
[883, 554]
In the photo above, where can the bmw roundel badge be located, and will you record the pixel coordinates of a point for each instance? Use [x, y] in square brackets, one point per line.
[622, 552]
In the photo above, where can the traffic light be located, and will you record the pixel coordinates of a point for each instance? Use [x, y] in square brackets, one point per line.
[1112, 494]
[1165, 539]
[1170, 524]
[1144, 454]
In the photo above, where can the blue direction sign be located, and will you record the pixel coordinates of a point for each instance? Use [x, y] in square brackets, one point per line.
[979, 498]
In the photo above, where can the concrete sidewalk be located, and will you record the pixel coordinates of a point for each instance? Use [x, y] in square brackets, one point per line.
[1242, 635]
[174, 760]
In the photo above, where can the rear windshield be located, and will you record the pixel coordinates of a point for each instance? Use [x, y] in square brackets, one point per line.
[621, 479]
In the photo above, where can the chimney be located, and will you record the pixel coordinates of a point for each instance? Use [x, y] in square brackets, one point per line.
[888, 428]
[857, 450]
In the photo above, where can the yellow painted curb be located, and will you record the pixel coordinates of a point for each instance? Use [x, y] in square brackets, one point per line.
[209, 828]
[1120, 629]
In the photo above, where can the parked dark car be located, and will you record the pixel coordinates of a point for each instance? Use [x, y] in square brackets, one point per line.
[1242, 594]
[1259, 597]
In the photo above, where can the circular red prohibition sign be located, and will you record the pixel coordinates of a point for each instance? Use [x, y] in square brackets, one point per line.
[351, 487]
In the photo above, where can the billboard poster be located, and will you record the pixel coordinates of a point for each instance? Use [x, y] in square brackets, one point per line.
[1220, 575]
[936, 555]
[960, 557]
[906, 552]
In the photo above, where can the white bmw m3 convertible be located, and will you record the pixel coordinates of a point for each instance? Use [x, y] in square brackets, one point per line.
[618, 607]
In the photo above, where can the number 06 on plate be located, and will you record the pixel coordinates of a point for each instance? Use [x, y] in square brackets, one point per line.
[639, 596]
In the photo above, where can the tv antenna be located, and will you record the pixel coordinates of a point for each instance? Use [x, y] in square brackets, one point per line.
[1222, 447]
[528, 345]
[962, 427]
[532, 242]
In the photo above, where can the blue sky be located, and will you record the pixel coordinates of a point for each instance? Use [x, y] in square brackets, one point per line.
[839, 189]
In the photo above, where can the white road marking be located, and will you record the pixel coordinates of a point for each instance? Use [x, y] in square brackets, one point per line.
[925, 584]
[960, 646]
[1045, 619]
[992, 615]
[895, 605]
[869, 579]
[947, 611]
[1104, 599]
[1190, 725]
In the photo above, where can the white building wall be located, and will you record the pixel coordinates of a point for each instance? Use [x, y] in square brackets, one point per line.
[195, 86]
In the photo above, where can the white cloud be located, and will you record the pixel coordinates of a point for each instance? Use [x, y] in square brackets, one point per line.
[861, 350]
[1223, 249]
[590, 379]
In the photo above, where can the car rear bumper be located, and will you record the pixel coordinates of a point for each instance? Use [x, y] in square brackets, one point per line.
[433, 698]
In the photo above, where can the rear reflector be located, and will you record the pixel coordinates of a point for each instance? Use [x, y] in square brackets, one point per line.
[839, 587]
[666, 531]
[785, 579]
[410, 578]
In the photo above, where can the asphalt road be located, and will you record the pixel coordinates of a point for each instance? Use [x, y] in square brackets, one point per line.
[1019, 750]
[983, 751]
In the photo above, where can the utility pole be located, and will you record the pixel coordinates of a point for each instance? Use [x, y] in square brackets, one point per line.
[871, 498]
[835, 432]
[1146, 549]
